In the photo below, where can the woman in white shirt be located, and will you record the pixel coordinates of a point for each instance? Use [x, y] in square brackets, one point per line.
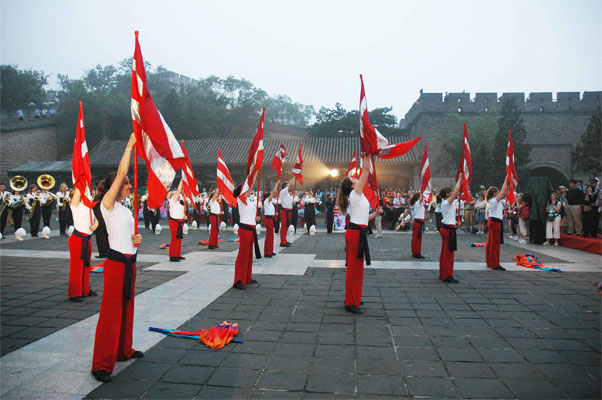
[417, 204]
[351, 197]
[113, 340]
[448, 231]
[80, 248]
[176, 224]
[495, 210]
[214, 219]
[243, 266]
[269, 220]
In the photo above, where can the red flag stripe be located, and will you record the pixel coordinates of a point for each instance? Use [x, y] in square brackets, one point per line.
[298, 167]
[425, 176]
[81, 173]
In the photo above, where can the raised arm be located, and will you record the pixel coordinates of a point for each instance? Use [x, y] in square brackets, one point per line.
[454, 194]
[503, 191]
[251, 184]
[275, 190]
[108, 201]
[77, 196]
[359, 186]
[215, 195]
[178, 193]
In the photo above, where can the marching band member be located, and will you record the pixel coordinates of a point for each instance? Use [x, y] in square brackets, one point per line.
[495, 210]
[351, 197]
[243, 267]
[196, 215]
[448, 232]
[62, 200]
[309, 211]
[269, 220]
[146, 212]
[32, 203]
[4, 208]
[417, 204]
[216, 212]
[17, 206]
[176, 224]
[329, 205]
[113, 340]
[286, 213]
[47, 199]
[80, 248]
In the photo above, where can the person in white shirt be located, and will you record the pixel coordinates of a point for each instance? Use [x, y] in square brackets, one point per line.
[286, 213]
[495, 209]
[448, 231]
[351, 197]
[269, 220]
[417, 204]
[80, 248]
[62, 203]
[243, 266]
[214, 219]
[33, 206]
[176, 224]
[114, 331]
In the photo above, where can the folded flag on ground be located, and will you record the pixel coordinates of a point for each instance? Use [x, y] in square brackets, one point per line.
[530, 261]
[215, 337]
[206, 242]
[236, 240]
[97, 269]
[475, 244]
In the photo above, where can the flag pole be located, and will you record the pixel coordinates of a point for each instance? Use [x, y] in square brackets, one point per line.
[258, 188]
[135, 191]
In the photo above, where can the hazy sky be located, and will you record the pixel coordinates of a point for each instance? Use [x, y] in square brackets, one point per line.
[313, 51]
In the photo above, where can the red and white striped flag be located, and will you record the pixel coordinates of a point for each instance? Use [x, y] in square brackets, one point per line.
[465, 167]
[189, 184]
[371, 189]
[81, 174]
[278, 160]
[425, 177]
[372, 142]
[352, 168]
[255, 160]
[511, 170]
[156, 143]
[225, 184]
[298, 167]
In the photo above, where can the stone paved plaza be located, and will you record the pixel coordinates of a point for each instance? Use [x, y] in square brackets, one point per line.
[518, 334]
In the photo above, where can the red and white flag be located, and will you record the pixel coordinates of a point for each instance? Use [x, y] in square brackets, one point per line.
[156, 143]
[372, 142]
[189, 182]
[352, 168]
[465, 167]
[255, 160]
[81, 174]
[298, 167]
[278, 160]
[511, 170]
[371, 189]
[225, 184]
[425, 177]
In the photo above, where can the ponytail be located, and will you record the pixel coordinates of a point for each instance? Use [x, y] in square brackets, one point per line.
[491, 192]
[345, 189]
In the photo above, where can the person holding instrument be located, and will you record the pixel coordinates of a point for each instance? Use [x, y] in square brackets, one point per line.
[113, 341]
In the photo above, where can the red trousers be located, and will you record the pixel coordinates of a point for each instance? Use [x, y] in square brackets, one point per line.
[354, 278]
[79, 276]
[446, 260]
[213, 236]
[283, 225]
[268, 245]
[492, 251]
[113, 341]
[243, 267]
[175, 244]
[416, 240]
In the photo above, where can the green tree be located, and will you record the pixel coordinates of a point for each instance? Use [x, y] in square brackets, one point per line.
[20, 87]
[588, 153]
[510, 120]
[338, 122]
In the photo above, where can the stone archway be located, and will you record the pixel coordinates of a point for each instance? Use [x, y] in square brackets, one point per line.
[556, 172]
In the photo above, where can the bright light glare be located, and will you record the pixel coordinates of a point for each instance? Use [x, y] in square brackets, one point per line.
[334, 173]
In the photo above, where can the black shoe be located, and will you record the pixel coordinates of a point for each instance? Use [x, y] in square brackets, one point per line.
[238, 285]
[102, 376]
[420, 256]
[273, 254]
[77, 299]
[174, 259]
[34, 235]
[267, 255]
[283, 245]
[182, 258]
[3, 237]
[211, 247]
[253, 281]
[92, 293]
[353, 309]
[499, 268]
[361, 303]
[451, 279]
[137, 354]
[101, 256]
[288, 244]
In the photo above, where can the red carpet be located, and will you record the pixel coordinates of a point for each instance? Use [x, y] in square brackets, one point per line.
[591, 245]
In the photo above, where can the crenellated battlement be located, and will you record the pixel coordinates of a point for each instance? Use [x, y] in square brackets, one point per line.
[535, 102]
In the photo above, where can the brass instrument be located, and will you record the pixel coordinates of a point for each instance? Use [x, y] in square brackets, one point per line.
[18, 183]
[46, 198]
[65, 202]
[5, 202]
[36, 200]
[16, 201]
[46, 181]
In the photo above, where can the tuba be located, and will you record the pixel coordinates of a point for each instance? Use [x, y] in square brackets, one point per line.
[46, 181]
[18, 183]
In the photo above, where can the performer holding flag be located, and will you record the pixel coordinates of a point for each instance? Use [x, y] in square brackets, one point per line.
[418, 204]
[176, 222]
[269, 220]
[298, 174]
[80, 242]
[449, 243]
[286, 212]
[277, 163]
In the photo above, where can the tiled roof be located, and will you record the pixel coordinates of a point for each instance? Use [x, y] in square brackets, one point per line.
[235, 151]
[43, 166]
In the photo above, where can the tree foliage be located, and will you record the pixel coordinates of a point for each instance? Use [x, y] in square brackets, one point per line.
[19, 87]
[588, 153]
[338, 122]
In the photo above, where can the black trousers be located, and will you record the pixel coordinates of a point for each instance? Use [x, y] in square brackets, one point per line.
[46, 215]
[34, 221]
[329, 222]
[3, 219]
[590, 223]
[63, 220]
[18, 217]
[147, 214]
[155, 218]
[295, 217]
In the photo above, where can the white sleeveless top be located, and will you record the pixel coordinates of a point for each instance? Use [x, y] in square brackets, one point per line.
[495, 209]
[286, 200]
[120, 228]
[268, 207]
[359, 208]
[449, 213]
[215, 208]
[81, 218]
[176, 210]
[418, 210]
[247, 212]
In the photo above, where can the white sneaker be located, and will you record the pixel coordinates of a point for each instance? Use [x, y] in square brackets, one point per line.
[522, 241]
[556, 244]
[546, 243]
